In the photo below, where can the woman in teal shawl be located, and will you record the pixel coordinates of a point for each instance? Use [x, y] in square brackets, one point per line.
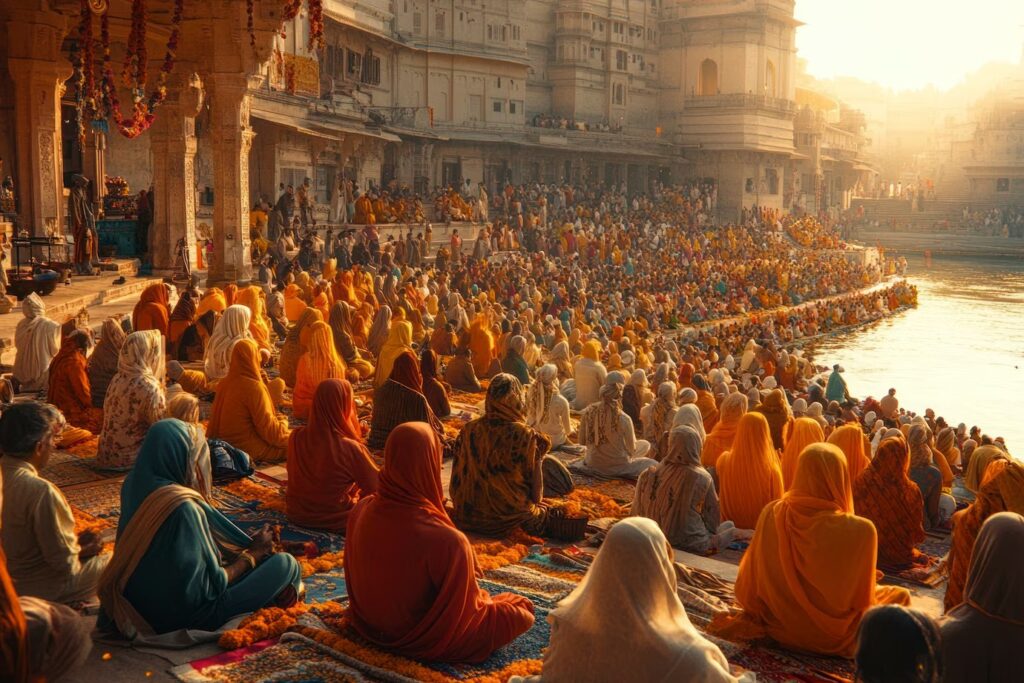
[835, 390]
[197, 569]
[514, 363]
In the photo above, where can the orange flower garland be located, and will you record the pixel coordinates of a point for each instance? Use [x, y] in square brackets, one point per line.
[323, 563]
[271, 622]
[592, 504]
[86, 522]
[496, 554]
[267, 497]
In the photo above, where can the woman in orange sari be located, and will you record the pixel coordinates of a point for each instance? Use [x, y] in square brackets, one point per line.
[151, 312]
[426, 605]
[850, 439]
[809, 573]
[329, 468]
[243, 411]
[885, 494]
[294, 306]
[803, 433]
[720, 439]
[1002, 490]
[748, 474]
[481, 341]
[318, 363]
[705, 402]
[213, 300]
[295, 344]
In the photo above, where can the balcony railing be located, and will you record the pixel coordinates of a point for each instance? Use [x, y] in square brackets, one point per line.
[740, 101]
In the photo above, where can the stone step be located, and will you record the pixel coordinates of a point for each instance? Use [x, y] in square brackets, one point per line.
[127, 267]
[59, 308]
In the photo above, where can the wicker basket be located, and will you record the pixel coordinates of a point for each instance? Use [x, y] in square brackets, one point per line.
[568, 528]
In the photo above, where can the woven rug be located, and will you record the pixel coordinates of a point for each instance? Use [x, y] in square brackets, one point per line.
[777, 666]
[100, 499]
[67, 469]
[293, 658]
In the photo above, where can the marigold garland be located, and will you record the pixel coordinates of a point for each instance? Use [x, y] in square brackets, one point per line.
[271, 622]
[86, 522]
[592, 504]
[322, 564]
[495, 554]
[266, 497]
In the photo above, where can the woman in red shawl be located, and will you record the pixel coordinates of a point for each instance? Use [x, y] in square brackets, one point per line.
[328, 466]
[686, 372]
[885, 494]
[152, 312]
[411, 573]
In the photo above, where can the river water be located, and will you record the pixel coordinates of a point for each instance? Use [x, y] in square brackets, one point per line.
[960, 352]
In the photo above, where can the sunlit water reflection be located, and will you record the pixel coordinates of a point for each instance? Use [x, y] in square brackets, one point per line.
[960, 352]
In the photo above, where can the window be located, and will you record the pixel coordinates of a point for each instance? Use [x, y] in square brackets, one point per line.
[769, 79]
[355, 64]
[621, 58]
[1002, 184]
[417, 22]
[515, 106]
[707, 83]
[515, 32]
[371, 69]
[772, 176]
[617, 28]
[619, 94]
[439, 22]
[497, 106]
[476, 107]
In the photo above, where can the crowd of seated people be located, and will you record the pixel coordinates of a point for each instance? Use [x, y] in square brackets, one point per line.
[678, 367]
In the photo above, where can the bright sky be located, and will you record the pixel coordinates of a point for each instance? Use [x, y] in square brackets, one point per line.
[907, 44]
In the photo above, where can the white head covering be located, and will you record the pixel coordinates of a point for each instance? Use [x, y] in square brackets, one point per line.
[624, 622]
[687, 395]
[769, 383]
[800, 407]
[638, 378]
[688, 415]
[233, 326]
[538, 396]
[37, 339]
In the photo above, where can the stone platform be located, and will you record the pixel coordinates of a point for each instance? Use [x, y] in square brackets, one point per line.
[97, 294]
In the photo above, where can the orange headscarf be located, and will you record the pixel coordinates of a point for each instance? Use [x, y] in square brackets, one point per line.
[803, 432]
[850, 440]
[720, 439]
[213, 300]
[259, 327]
[749, 473]
[151, 312]
[809, 574]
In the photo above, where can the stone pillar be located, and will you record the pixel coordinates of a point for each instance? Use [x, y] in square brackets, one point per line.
[38, 70]
[232, 140]
[173, 145]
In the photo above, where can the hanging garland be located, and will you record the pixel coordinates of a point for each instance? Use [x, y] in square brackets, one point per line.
[290, 11]
[142, 108]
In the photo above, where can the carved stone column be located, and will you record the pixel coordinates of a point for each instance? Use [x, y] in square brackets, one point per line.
[173, 144]
[38, 70]
[232, 140]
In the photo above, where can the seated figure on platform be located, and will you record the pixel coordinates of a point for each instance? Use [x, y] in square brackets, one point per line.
[329, 468]
[39, 640]
[136, 398]
[625, 622]
[37, 339]
[102, 365]
[680, 496]
[500, 470]
[45, 558]
[748, 473]
[410, 572]
[69, 387]
[179, 563]
[243, 410]
[400, 400]
[809, 573]
[612, 447]
[547, 410]
[318, 363]
[459, 372]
